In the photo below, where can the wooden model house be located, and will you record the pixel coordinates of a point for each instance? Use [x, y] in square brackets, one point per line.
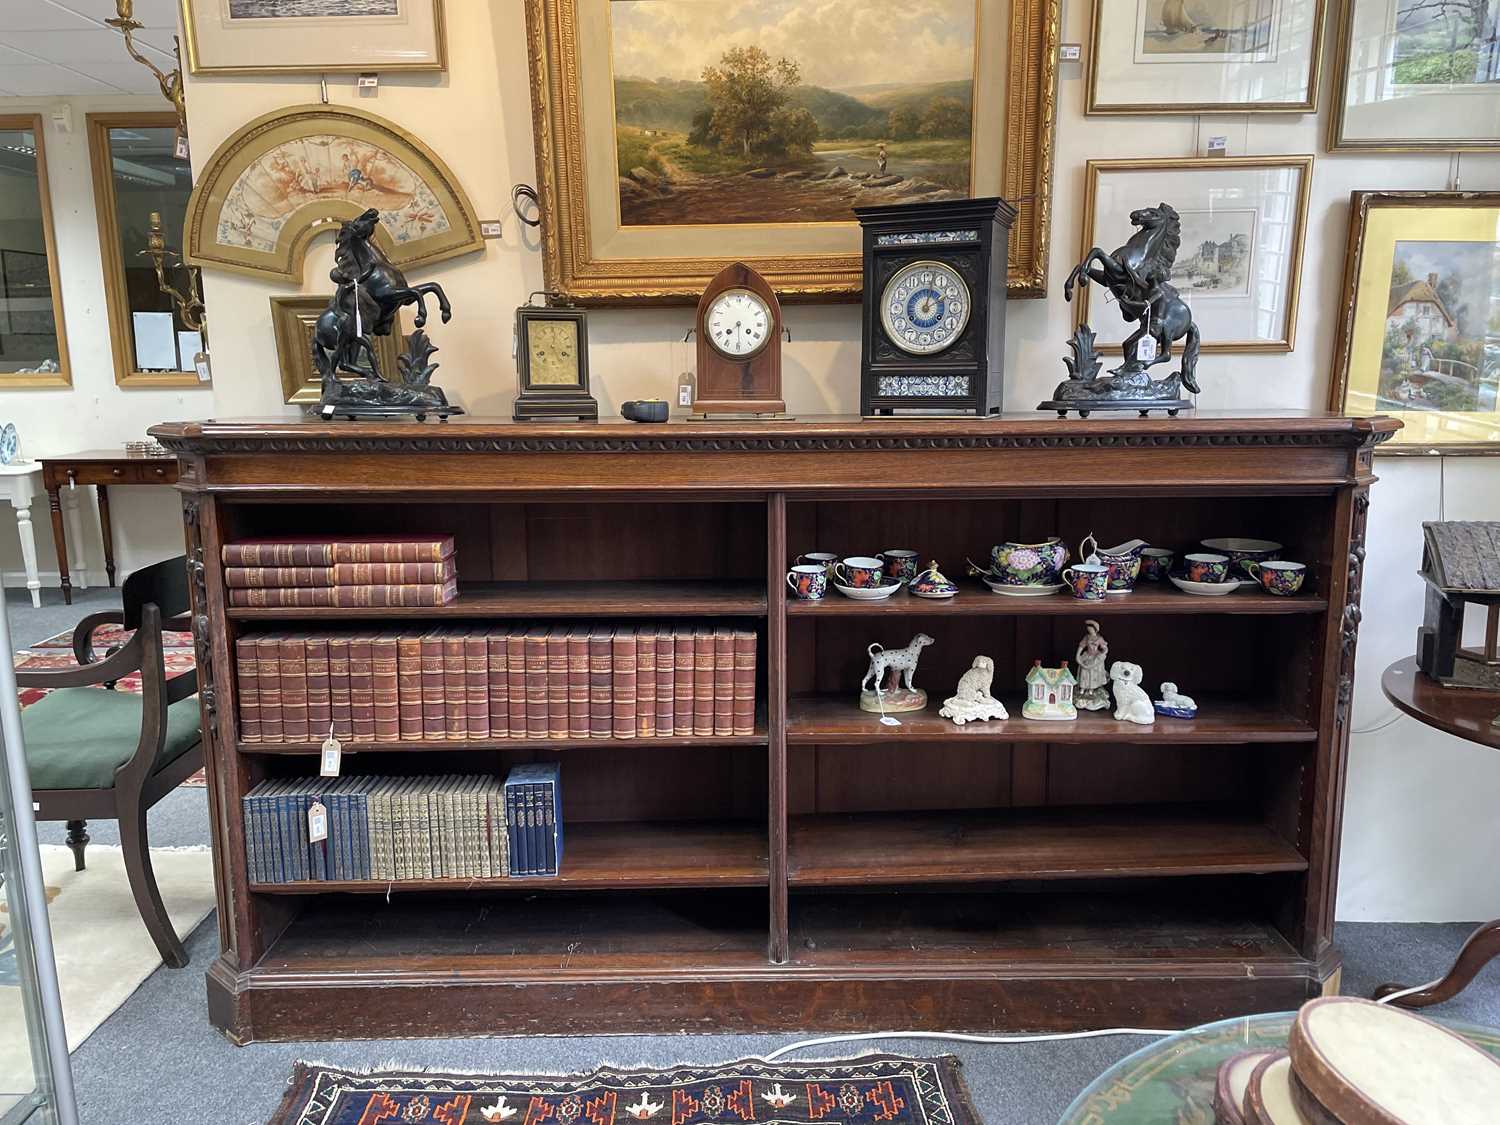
[1461, 565]
[1049, 692]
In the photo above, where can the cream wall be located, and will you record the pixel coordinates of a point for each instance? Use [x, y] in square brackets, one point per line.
[1419, 823]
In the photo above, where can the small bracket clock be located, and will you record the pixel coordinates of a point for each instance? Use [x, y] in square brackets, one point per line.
[934, 306]
[739, 345]
[552, 364]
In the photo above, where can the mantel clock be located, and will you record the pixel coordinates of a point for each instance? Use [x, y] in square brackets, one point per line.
[739, 345]
[552, 364]
[934, 306]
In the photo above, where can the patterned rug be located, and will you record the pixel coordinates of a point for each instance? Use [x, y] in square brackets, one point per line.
[876, 1088]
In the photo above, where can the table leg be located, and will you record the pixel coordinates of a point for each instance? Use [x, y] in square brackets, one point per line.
[1482, 947]
[75, 527]
[104, 530]
[28, 549]
[54, 502]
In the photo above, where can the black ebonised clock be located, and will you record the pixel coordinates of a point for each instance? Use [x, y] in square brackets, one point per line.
[552, 364]
[934, 306]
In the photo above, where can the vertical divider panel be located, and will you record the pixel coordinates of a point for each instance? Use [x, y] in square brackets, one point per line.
[776, 691]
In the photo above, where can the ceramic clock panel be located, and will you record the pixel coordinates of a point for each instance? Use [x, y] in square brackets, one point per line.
[737, 323]
[553, 348]
[925, 308]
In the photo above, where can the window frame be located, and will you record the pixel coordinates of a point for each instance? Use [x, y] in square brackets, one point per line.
[64, 376]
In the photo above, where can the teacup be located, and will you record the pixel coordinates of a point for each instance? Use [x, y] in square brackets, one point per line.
[825, 559]
[859, 572]
[1156, 563]
[1204, 567]
[1241, 552]
[808, 581]
[1278, 577]
[1028, 564]
[1089, 581]
[900, 564]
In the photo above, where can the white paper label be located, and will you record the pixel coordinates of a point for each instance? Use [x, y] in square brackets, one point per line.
[332, 755]
[317, 822]
[1070, 52]
[1145, 351]
[684, 394]
[200, 364]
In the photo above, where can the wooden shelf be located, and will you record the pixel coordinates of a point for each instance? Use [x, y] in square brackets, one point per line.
[978, 846]
[975, 600]
[608, 856]
[822, 720]
[667, 598]
[404, 746]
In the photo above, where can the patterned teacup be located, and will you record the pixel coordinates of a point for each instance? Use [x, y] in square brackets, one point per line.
[1156, 563]
[1277, 577]
[808, 581]
[900, 564]
[860, 572]
[1089, 581]
[1204, 567]
[825, 559]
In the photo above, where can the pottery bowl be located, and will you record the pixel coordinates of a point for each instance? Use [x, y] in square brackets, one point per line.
[1029, 564]
[1240, 551]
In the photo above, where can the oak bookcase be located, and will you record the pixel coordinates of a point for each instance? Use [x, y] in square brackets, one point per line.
[825, 873]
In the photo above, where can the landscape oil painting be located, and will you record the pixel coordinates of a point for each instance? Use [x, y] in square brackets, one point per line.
[320, 9]
[789, 111]
[1205, 30]
[1216, 249]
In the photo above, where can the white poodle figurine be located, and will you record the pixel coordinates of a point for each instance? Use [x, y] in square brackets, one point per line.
[1175, 704]
[1132, 704]
[971, 701]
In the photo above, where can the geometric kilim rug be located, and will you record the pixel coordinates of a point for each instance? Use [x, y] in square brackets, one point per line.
[863, 1091]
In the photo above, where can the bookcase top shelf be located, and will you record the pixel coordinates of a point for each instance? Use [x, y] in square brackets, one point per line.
[422, 746]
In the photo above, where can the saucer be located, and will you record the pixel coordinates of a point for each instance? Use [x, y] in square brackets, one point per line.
[1207, 589]
[869, 593]
[1024, 591]
[947, 591]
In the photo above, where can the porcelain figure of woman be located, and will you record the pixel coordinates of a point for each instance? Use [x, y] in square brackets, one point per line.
[1093, 674]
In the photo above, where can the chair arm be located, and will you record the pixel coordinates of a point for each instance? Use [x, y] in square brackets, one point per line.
[118, 664]
[83, 633]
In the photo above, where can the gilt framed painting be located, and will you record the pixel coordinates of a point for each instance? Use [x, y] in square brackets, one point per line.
[1205, 56]
[674, 137]
[313, 36]
[1417, 76]
[1418, 335]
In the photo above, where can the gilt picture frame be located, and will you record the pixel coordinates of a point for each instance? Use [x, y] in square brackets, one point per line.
[1007, 58]
[293, 320]
[225, 37]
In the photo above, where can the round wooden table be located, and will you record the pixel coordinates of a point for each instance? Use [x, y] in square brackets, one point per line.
[1468, 713]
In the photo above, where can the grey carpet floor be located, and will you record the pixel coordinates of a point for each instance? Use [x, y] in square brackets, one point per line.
[156, 1058]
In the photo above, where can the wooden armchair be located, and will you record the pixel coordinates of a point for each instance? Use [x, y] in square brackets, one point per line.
[110, 754]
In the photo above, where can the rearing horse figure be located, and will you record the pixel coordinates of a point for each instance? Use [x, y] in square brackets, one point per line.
[1136, 274]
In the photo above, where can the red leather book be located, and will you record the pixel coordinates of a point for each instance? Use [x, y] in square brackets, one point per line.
[499, 685]
[624, 681]
[666, 675]
[455, 690]
[362, 687]
[252, 577]
[268, 683]
[682, 681]
[340, 711]
[557, 682]
[286, 551]
[744, 682]
[723, 680]
[409, 684]
[247, 687]
[703, 681]
[392, 549]
[601, 682]
[578, 682]
[536, 682]
[476, 682]
[385, 688]
[434, 715]
[345, 597]
[645, 681]
[319, 699]
[515, 674]
[321, 550]
[342, 574]
[292, 656]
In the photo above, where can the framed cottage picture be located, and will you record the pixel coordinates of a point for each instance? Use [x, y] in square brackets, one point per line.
[1418, 332]
[1241, 224]
[675, 137]
[315, 36]
[1205, 56]
[1417, 76]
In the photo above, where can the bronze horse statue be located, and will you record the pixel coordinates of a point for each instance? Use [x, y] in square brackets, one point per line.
[1136, 274]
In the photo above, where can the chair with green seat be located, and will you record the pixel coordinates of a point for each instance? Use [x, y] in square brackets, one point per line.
[96, 753]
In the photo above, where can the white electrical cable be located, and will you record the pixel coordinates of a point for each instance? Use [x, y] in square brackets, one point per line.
[1391, 721]
[959, 1037]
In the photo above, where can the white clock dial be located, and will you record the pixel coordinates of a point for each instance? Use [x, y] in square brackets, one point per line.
[924, 308]
[737, 323]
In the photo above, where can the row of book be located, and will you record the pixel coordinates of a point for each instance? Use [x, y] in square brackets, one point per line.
[459, 683]
[351, 572]
[369, 828]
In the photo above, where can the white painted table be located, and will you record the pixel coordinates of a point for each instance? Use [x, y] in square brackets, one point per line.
[22, 482]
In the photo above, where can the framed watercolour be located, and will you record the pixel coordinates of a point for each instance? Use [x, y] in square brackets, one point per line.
[1416, 333]
[313, 36]
[1205, 56]
[672, 141]
[1417, 76]
[293, 320]
[1242, 223]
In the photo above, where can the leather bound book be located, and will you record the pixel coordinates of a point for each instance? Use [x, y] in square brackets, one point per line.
[291, 551]
[345, 597]
[666, 674]
[703, 681]
[536, 682]
[723, 680]
[455, 691]
[362, 687]
[434, 715]
[384, 574]
[319, 701]
[292, 656]
[578, 682]
[645, 681]
[624, 677]
[498, 680]
[247, 687]
[385, 548]
[682, 679]
[744, 682]
[601, 682]
[515, 675]
[264, 577]
[476, 681]
[384, 687]
[557, 682]
[409, 684]
[338, 686]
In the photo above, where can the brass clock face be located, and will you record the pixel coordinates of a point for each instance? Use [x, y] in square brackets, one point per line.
[924, 308]
[552, 353]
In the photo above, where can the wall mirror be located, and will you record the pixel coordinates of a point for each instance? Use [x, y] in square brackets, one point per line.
[33, 347]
